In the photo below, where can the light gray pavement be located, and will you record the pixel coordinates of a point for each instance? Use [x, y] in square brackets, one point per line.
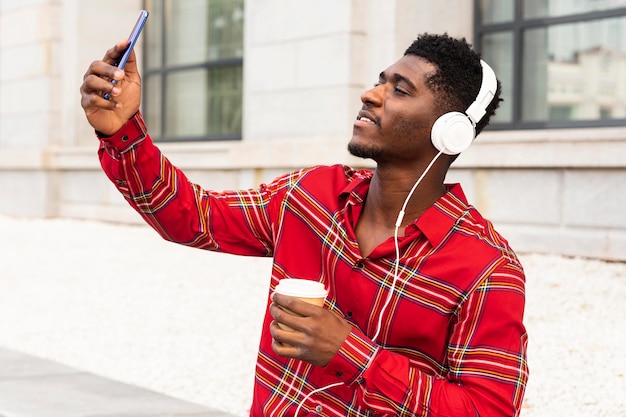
[119, 302]
[34, 387]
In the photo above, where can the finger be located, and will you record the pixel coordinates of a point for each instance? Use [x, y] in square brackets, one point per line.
[94, 84]
[106, 68]
[92, 91]
[295, 305]
[278, 333]
[284, 342]
[97, 87]
[284, 350]
[284, 317]
[96, 101]
[104, 72]
[113, 55]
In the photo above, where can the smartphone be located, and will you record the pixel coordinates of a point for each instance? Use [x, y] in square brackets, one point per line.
[132, 40]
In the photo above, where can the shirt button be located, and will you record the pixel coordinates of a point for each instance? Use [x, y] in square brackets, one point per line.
[360, 265]
[339, 374]
[319, 409]
[125, 138]
[350, 314]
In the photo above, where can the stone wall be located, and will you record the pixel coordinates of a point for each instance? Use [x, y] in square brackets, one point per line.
[305, 66]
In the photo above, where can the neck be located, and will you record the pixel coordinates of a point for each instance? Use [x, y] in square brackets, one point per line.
[388, 191]
[387, 204]
[391, 187]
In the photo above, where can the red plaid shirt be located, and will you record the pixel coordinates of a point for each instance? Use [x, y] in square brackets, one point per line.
[452, 341]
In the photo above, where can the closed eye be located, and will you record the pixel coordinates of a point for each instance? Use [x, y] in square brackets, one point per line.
[398, 81]
[400, 91]
[396, 88]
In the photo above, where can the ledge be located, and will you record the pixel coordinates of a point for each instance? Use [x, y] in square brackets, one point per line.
[558, 148]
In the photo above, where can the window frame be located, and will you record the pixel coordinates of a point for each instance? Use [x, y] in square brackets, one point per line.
[516, 27]
[163, 71]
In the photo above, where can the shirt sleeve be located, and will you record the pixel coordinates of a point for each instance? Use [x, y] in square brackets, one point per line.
[181, 211]
[486, 370]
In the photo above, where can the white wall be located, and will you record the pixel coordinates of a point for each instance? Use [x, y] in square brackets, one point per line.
[45, 48]
[305, 66]
[29, 84]
[560, 191]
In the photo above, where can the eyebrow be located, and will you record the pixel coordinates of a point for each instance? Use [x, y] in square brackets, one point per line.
[398, 77]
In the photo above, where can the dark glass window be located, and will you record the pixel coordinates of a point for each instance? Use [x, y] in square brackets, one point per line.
[562, 63]
[193, 69]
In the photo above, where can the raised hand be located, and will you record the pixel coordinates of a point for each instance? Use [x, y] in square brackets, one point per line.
[108, 116]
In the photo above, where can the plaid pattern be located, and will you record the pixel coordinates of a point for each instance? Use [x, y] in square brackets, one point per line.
[452, 341]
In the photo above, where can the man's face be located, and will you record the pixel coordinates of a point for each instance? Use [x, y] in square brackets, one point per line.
[395, 121]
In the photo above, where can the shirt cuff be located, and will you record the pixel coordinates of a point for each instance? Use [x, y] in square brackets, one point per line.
[353, 357]
[131, 134]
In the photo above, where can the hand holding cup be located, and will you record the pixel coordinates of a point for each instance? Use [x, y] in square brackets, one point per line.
[312, 292]
[302, 330]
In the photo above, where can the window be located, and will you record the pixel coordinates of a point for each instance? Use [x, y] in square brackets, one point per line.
[193, 75]
[561, 63]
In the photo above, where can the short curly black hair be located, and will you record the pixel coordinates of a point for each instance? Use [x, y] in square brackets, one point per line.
[459, 75]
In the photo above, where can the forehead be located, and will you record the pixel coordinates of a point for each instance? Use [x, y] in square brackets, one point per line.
[412, 67]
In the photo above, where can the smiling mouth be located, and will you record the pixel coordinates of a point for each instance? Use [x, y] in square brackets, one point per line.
[366, 120]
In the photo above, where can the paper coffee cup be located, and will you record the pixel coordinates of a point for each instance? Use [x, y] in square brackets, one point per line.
[312, 292]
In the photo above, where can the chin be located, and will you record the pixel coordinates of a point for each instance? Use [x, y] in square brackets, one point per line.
[362, 151]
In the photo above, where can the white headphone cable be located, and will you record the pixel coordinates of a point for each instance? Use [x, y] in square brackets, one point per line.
[315, 391]
[396, 244]
[395, 274]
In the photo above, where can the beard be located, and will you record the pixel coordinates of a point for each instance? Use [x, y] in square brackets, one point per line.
[403, 132]
[365, 152]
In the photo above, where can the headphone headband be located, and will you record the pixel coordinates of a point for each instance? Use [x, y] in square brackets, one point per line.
[487, 91]
[454, 132]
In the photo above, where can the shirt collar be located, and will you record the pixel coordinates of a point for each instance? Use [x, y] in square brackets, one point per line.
[435, 222]
[355, 190]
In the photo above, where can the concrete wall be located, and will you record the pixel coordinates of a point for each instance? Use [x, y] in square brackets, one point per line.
[305, 66]
[552, 191]
[45, 48]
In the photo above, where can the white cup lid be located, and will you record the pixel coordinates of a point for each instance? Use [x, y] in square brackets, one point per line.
[304, 288]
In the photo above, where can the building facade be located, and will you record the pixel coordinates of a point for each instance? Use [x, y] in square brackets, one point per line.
[240, 91]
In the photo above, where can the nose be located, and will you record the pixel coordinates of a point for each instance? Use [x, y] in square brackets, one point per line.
[373, 96]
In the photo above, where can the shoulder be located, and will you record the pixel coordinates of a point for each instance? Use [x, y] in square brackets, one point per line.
[477, 232]
[340, 171]
[322, 185]
[486, 236]
[329, 175]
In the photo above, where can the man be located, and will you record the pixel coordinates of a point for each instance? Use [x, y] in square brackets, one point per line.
[425, 304]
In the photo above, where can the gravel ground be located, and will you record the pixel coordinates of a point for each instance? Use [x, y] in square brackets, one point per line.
[118, 301]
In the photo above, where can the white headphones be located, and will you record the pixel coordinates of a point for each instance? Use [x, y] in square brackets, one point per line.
[454, 132]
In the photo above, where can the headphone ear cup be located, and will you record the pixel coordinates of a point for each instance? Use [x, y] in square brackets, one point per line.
[452, 133]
